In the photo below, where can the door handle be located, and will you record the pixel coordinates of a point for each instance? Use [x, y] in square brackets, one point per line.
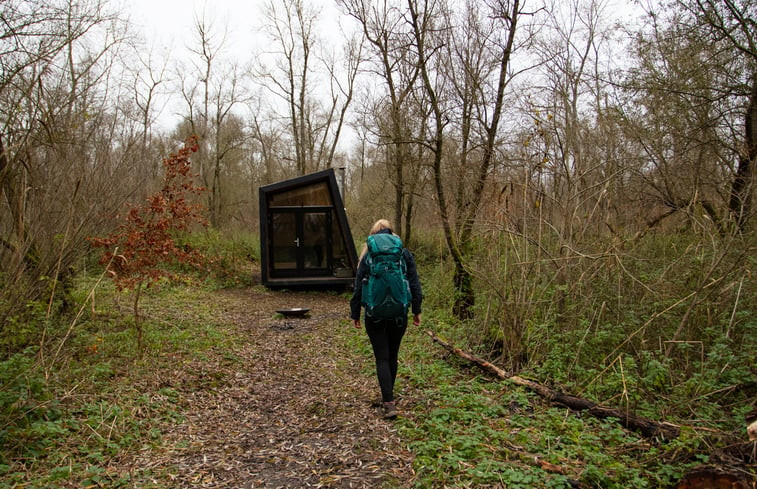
[297, 242]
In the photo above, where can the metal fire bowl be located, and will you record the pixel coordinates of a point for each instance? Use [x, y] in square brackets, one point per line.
[294, 312]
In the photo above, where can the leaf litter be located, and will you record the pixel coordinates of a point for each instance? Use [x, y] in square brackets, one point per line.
[293, 409]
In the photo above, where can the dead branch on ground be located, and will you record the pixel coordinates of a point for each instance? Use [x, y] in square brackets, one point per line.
[646, 427]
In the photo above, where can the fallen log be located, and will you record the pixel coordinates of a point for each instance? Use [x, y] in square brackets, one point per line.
[646, 427]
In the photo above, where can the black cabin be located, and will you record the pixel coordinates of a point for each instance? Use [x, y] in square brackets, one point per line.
[305, 239]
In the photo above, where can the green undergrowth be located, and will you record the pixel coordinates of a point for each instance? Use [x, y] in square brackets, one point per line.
[230, 256]
[469, 430]
[81, 401]
[662, 328]
[72, 411]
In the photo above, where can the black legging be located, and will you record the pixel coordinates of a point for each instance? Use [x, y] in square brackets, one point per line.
[386, 336]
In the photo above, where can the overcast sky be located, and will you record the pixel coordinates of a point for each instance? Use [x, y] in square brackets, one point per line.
[167, 26]
[170, 23]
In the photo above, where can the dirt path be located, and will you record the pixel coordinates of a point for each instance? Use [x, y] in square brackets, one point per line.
[292, 410]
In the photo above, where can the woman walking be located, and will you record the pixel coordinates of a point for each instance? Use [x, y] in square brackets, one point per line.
[386, 303]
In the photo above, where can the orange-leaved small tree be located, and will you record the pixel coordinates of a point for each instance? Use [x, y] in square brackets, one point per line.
[142, 249]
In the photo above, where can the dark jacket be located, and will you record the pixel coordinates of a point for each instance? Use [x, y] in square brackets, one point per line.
[412, 278]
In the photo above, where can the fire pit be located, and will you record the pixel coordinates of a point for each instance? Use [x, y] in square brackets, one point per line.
[294, 312]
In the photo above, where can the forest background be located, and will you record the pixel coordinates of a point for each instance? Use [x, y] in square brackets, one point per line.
[578, 188]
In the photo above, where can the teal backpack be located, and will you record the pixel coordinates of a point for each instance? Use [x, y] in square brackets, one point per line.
[386, 291]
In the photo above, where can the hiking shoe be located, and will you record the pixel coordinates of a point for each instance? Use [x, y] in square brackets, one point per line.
[390, 410]
[378, 402]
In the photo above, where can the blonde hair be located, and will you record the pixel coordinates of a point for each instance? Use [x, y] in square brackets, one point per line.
[379, 225]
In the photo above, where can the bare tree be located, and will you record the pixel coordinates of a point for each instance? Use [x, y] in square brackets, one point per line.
[425, 18]
[60, 132]
[733, 24]
[212, 91]
[148, 78]
[697, 91]
[389, 39]
[267, 135]
[315, 117]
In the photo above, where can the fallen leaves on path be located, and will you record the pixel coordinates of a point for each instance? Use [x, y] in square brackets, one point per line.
[293, 409]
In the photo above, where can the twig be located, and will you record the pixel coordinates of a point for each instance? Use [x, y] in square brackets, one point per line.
[735, 306]
[644, 326]
[78, 315]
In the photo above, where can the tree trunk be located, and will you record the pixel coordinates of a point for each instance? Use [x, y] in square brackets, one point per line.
[3, 161]
[465, 298]
[399, 188]
[407, 233]
[739, 204]
[462, 277]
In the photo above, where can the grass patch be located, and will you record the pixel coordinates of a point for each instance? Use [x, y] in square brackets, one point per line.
[73, 419]
[70, 419]
[468, 430]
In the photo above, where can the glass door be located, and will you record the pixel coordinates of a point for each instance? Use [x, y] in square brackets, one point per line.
[315, 242]
[301, 242]
[285, 243]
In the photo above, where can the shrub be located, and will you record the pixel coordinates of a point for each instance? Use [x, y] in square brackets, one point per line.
[138, 253]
